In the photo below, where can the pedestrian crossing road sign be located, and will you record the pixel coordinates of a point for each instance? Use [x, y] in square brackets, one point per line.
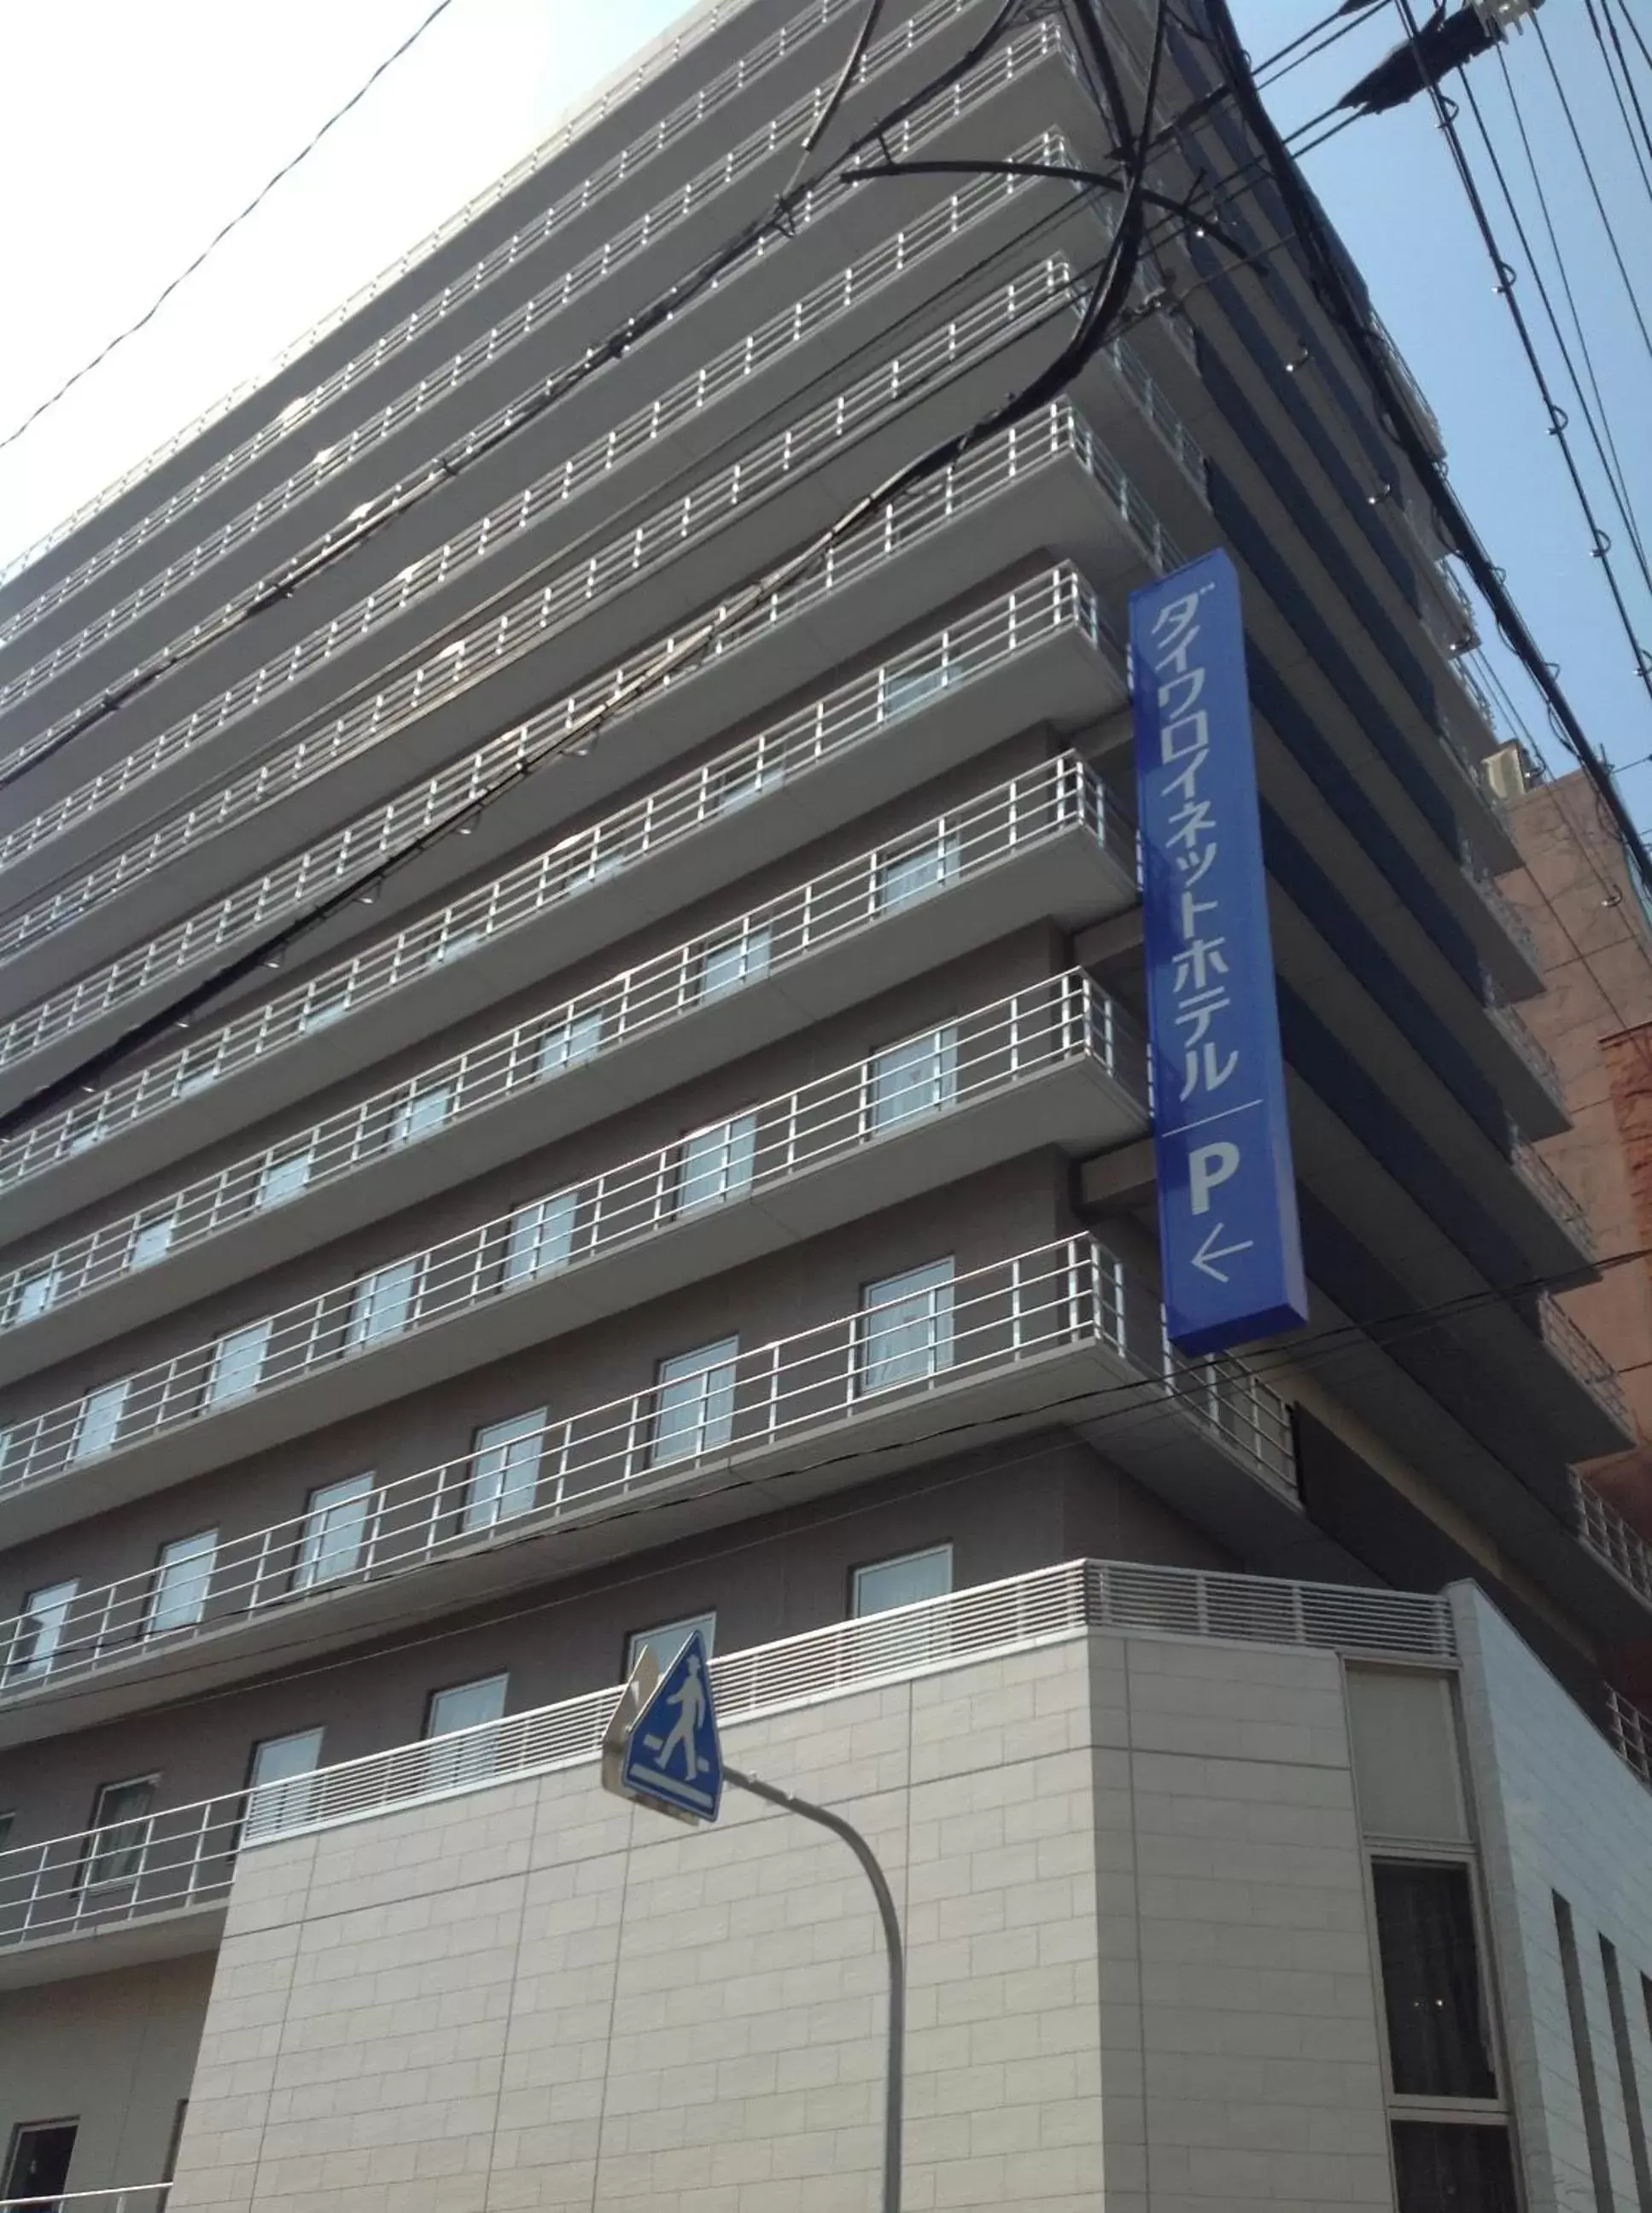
[673, 1759]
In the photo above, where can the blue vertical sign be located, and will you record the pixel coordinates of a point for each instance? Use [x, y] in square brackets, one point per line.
[1228, 1240]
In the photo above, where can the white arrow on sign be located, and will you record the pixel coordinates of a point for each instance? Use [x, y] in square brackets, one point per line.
[1210, 1252]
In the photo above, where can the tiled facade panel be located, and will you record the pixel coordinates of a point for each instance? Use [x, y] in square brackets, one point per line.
[534, 1996]
[1004, 1507]
[1560, 1812]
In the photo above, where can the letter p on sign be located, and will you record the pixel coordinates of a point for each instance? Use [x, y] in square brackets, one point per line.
[1208, 1166]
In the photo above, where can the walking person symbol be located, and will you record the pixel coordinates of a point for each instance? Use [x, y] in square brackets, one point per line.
[690, 1702]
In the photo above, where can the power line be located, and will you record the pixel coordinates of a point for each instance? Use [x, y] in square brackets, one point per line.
[1618, 96]
[1594, 189]
[218, 237]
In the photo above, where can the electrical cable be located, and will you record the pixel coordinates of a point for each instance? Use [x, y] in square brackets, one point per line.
[1607, 225]
[1594, 418]
[1337, 296]
[1629, 80]
[10, 437]
[1618, 97]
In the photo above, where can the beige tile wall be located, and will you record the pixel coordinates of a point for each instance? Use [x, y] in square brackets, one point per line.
[1129, 1881]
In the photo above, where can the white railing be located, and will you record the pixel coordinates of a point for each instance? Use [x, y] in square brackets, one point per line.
[1613, 1539]
[1514, 1027]
[184, 1857]
[826, 1123]
[1502, 908]
[1427, 421]
[688, 116]
[253, 908]
[1042, 802]
[998, 1052]
[477, 651]
[124, 2197]
[372, 718]
[724, 373]
[1583, 1358]
[1557, 1196]
[1630, 1731]
[1014, 624]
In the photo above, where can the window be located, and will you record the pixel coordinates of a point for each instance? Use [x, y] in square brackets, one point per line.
[1640, 2151]
[383, 1303]
[905, 1581]
[695, 1409]
[38, 2164]
[567, 1042]
[152, 1239]
[716, 1162]
[541, 1236]
[421, 1112]
[913, 1077]
[905, 1329]
[1442, 2168]
[507, 1474]
[280, 1775]
[237, 1362]
[1438, 2036]
[917, 870]
[465, 1706]
[99, 1419]
[120, 1830]
[284, 1175]
[728, 962]
[668, 1639]
[33, 1295]
[1588, 2082]
[38, 1632]
[181, 1578]
[335, 1523]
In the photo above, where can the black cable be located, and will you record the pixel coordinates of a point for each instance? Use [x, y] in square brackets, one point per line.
[1618, 96]
[1594, 416]
[1337, 296]
[234, 222]
[1629, 80]
[1595, 190]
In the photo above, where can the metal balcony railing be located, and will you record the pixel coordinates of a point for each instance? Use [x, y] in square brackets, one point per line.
[252, 907]
[184, 1857]
[1427, 421]
[1585, 1360]
[1509, 1022]
[124, 2197]
[479, 1265]
[1631, 1733]
[1014, 624]
[686, 117]
[1040, 803]
[919, 1083]
[1554, 1194]
[779, 334]
[459, 664]
[1613, 1539]
[1503, 910]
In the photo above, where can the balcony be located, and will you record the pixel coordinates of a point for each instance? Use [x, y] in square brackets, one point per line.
[470, 314]
[1503, 938]
[1539, 1100]
[1557, 1200]
[240, 567]
[1053, 1067]
[1033, 652]
[1422, 415]
[876, 580]
[749, 69]
[1612, 1540]
[1630, 1731]
[164, 1881]
[578, 1060]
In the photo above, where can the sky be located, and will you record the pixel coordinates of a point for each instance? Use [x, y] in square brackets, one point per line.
[128, 134]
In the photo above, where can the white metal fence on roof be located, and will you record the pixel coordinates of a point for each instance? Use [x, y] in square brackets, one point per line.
[172, 1859]
[828, 1122]
[1048, 800]
[895, 259]
[688, 116]
[254, 907]
[560, 1468]
[373, 717]
[1613, 1539]
[1014, 624]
